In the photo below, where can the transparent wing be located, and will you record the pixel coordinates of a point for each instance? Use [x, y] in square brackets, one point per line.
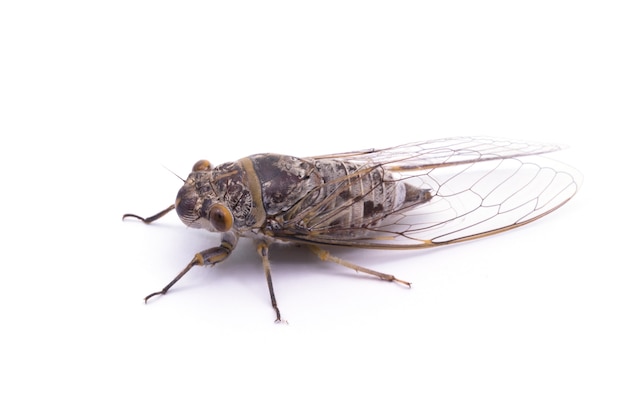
[443, 152]
[479, 186]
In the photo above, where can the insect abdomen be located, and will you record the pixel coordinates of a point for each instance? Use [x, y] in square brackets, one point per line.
[358, 196]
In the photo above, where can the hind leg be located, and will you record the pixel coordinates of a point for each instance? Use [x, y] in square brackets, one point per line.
[324, 255]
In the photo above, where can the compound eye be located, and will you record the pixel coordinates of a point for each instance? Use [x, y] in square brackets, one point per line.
[221, 218]
[201, 165]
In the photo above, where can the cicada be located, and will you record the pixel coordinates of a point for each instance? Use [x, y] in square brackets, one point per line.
[412, 196]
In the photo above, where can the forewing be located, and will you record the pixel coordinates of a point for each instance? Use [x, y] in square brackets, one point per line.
[479, 186]
[443, 152]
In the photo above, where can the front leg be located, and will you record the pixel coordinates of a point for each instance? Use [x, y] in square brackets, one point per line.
[206, 257]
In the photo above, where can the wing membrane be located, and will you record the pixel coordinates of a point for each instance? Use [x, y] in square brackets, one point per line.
[444, 152]
[479, 186]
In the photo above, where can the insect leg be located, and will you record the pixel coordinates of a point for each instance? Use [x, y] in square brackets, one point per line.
[210, 256]
[150, 219]
[324, 255]
[263, 250]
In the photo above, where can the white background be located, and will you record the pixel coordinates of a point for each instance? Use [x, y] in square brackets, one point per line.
[97, 98]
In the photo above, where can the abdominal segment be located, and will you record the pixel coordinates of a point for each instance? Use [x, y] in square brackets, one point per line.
[353, 197]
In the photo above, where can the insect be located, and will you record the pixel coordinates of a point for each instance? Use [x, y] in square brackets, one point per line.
[412, 196]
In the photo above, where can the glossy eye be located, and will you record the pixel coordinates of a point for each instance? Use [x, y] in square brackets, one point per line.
[201, 165]
[220, 217]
